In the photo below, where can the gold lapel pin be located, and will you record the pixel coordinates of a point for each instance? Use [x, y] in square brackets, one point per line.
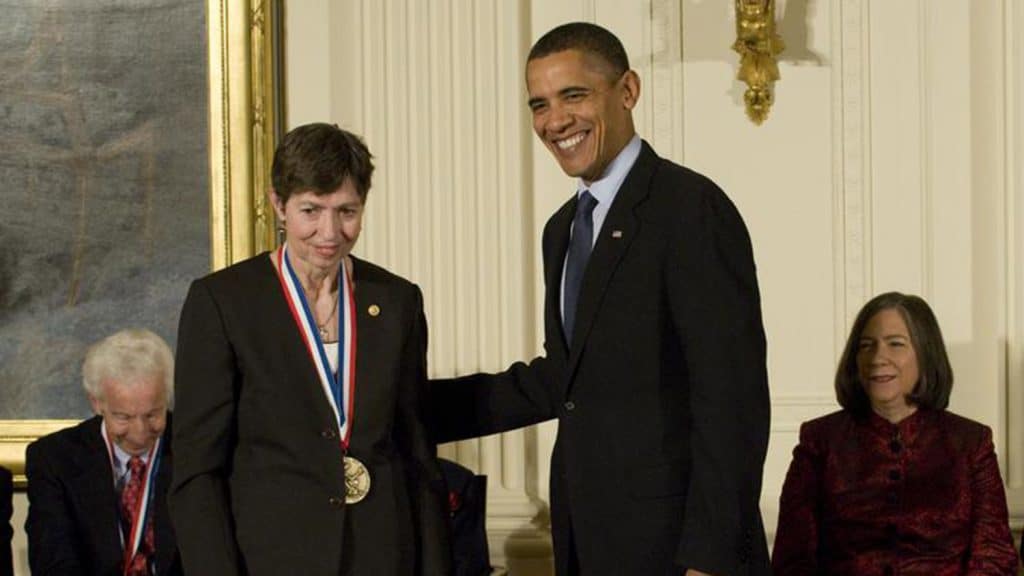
[616, 233]
[374, 310]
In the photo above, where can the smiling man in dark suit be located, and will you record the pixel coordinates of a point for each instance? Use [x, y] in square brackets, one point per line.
[97, 491]
[655, 350]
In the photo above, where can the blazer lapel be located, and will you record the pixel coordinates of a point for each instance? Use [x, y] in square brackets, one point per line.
[166, 545]
[372, 336]
[554, 263]
[295, 349]
[617, 233]
[93, 488]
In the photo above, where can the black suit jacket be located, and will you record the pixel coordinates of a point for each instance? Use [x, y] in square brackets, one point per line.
[258, 480]
[6, 531]
[662, 399]
[73, 525]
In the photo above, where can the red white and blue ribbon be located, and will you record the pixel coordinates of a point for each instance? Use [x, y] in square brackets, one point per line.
[141, 514]
[339, 388]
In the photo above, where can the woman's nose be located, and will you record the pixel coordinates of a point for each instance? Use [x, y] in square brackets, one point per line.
[877, 356]
[330, 225]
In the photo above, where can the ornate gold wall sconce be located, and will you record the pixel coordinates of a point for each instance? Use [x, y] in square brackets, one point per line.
[757, 44]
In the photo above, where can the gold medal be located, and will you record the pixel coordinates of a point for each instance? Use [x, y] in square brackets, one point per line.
[357, 480]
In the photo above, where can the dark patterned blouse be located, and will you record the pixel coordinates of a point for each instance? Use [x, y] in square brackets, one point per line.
[867, 497]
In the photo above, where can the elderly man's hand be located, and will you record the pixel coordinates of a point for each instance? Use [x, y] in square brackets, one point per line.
[696, 573]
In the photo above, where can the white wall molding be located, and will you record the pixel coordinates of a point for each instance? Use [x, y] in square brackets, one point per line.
[666, 42]
[790, 411]
[852, 163]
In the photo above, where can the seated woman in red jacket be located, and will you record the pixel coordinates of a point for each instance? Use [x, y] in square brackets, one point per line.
[894, 483]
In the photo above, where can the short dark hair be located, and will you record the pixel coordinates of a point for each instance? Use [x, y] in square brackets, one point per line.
[587, 38]
[319, 157]
[935, 380]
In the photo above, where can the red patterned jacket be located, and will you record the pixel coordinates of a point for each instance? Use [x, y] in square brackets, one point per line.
[867, 497]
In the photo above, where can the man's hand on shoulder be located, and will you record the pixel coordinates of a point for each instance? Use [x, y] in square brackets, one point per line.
[692, 572]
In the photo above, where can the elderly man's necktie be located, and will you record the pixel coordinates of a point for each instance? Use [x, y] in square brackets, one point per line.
[576, 263]
[131, 495]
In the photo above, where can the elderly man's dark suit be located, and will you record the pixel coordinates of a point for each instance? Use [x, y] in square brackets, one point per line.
[258, 481]
[73, 522]
[6, 531]
[662, 398]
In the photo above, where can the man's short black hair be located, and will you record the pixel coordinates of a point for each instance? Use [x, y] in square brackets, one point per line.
[587, 38]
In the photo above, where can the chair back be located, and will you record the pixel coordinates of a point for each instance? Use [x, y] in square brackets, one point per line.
[467, 505]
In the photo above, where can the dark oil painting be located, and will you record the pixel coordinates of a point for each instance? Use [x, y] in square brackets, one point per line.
[104, 218]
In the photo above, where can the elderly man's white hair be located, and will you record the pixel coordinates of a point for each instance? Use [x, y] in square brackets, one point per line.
[124, 358]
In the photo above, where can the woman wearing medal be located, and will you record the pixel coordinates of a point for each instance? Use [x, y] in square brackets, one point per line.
[300, 442]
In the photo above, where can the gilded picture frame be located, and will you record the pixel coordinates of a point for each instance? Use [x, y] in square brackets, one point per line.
[244, 64]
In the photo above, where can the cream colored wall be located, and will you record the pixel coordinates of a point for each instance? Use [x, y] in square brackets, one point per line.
[890, 161]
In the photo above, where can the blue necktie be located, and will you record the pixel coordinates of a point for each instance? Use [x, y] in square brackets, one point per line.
[576, 264]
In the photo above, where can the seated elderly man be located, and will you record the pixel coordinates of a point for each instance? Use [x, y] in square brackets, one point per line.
[97, 491]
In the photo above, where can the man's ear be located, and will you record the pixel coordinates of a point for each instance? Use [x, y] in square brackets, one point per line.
[630, 89]
[97, 405]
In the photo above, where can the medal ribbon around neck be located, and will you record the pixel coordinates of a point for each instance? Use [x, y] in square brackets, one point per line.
[141, 514]
[340, 388]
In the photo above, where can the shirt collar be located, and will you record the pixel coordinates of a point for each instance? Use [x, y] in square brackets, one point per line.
[120, 457]
[906, 429]
[604, 188]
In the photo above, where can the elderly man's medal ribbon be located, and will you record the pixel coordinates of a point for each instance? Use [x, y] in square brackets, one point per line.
[339, 388]
[141, 515]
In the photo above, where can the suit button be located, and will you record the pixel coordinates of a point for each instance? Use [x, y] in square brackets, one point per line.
[329, 434]
[335, 501]
[570, 406]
